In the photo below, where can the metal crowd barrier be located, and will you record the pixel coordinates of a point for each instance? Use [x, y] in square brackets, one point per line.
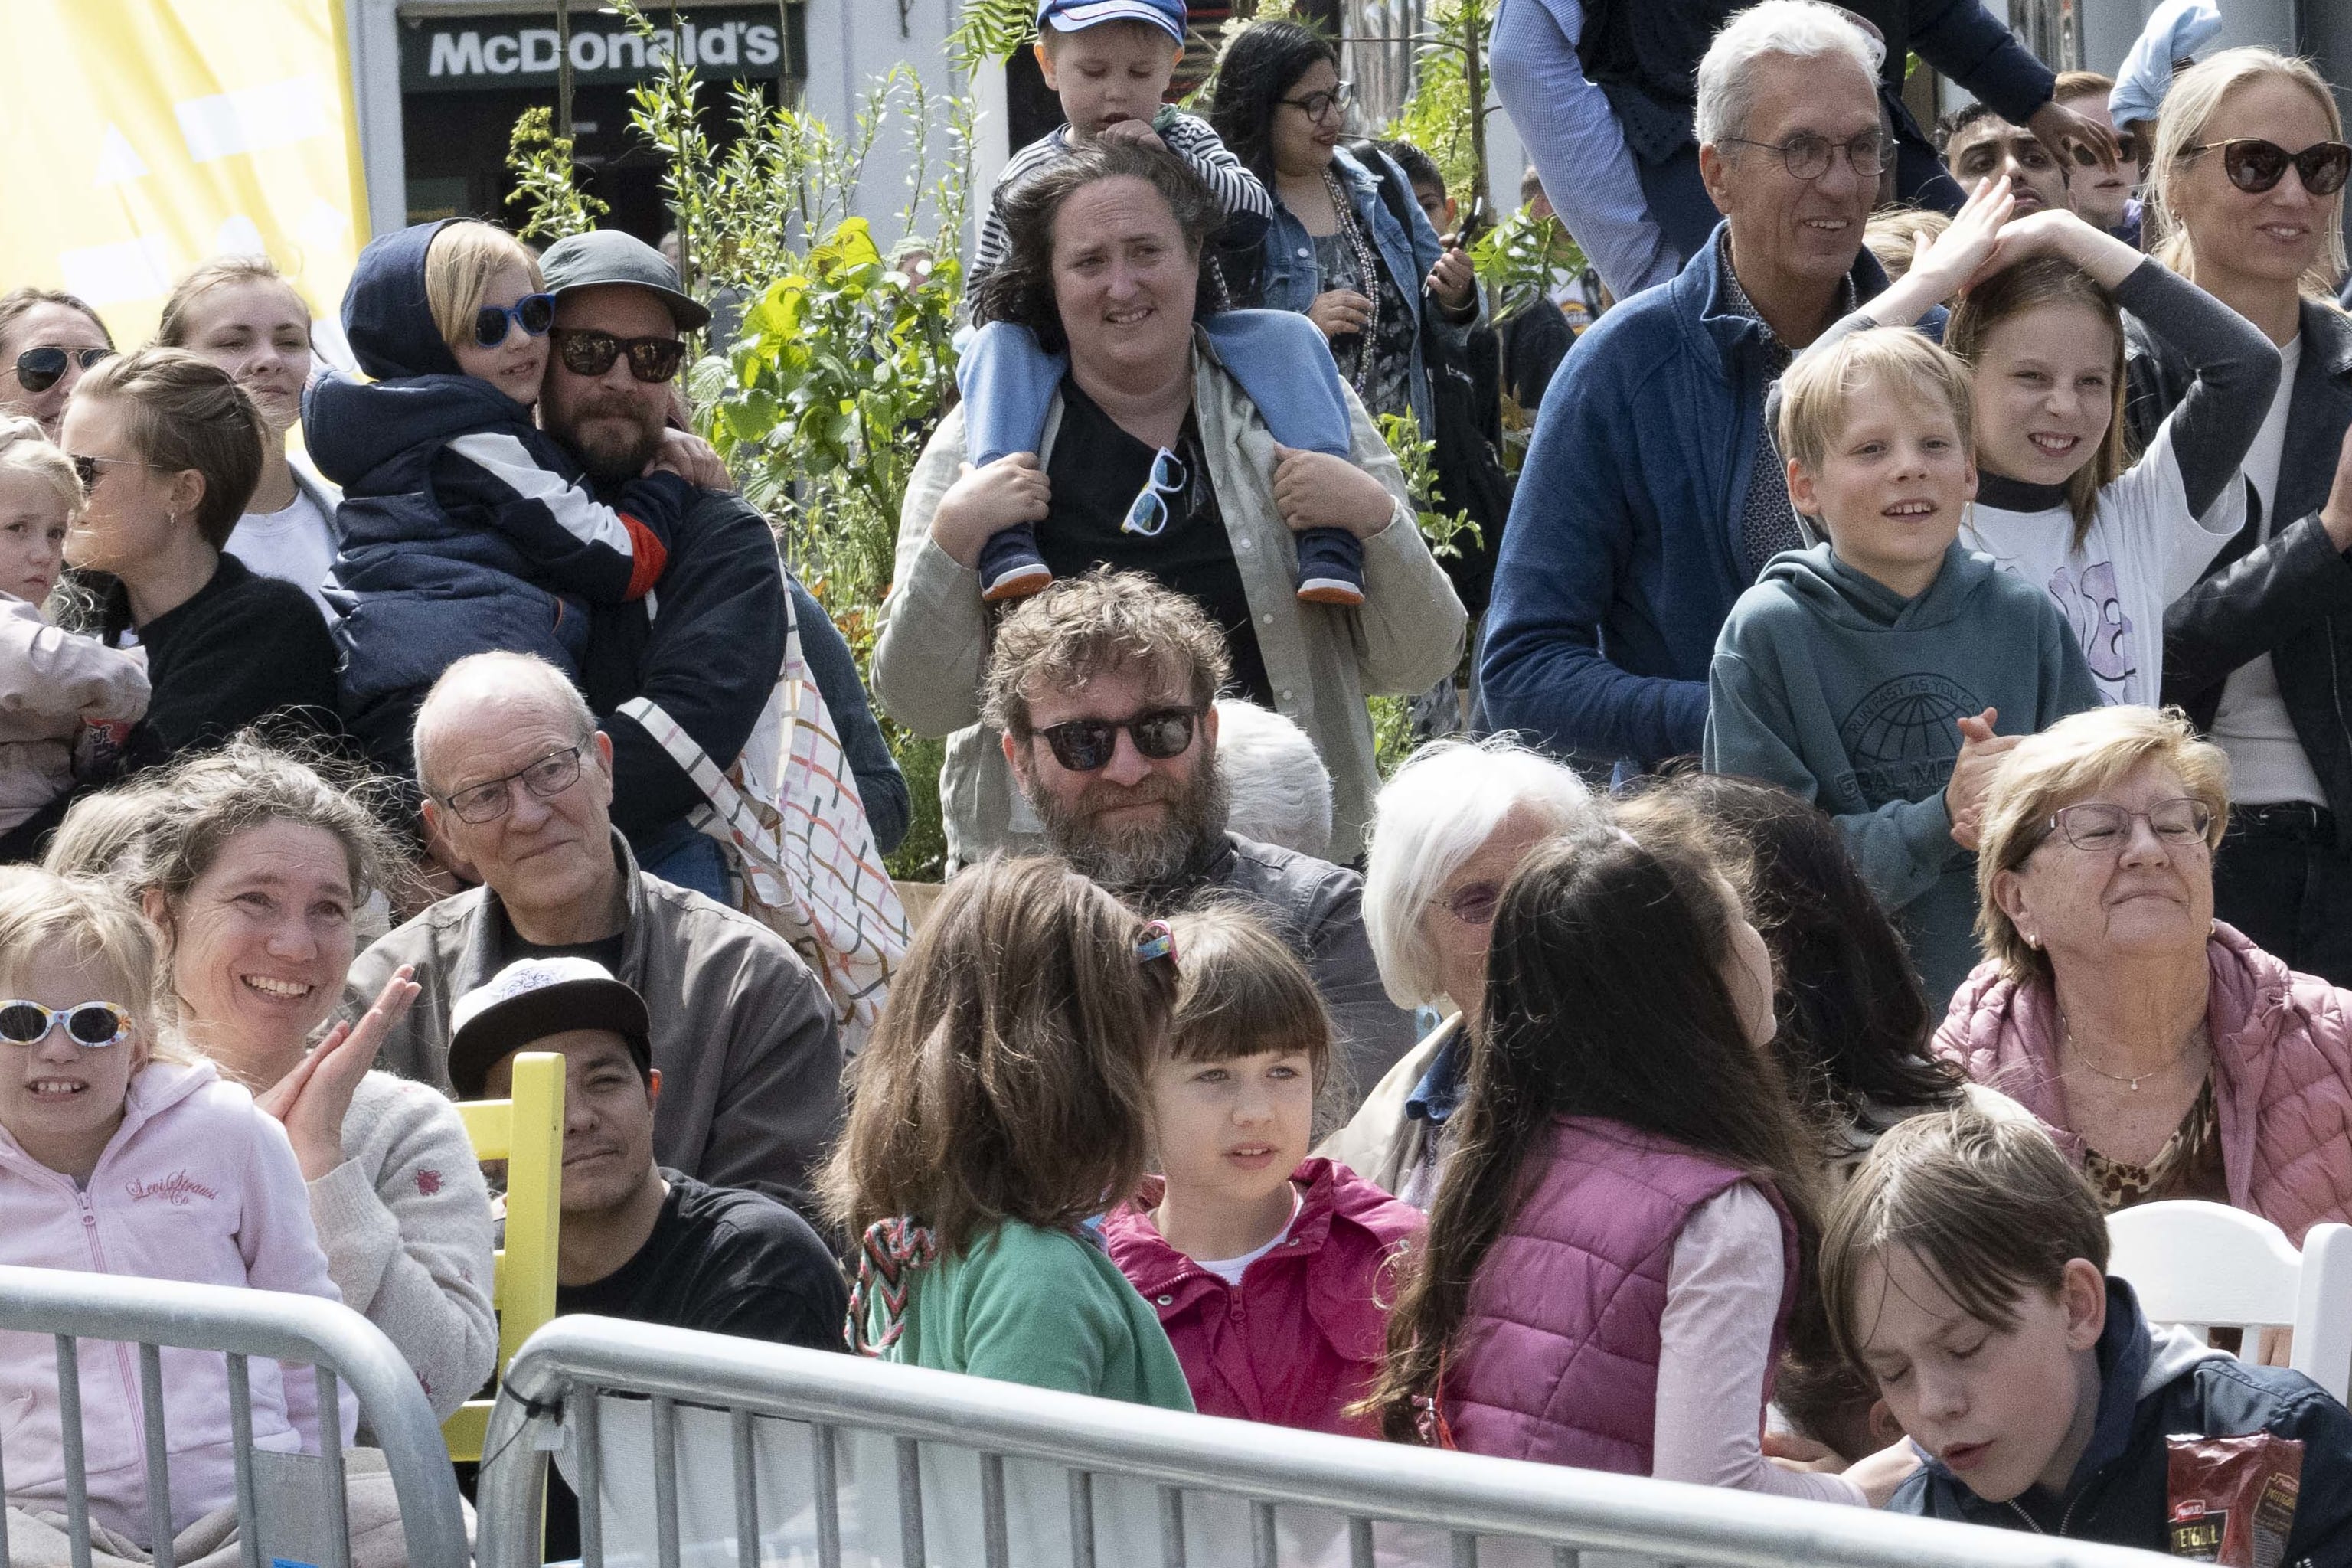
[756, 1453]
[344, 1349]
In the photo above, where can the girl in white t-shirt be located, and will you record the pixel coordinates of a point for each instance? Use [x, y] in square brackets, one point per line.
[242, 314]
[2040, 321]
[53, 683]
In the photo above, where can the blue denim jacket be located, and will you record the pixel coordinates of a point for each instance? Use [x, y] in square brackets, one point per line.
[1290, 280]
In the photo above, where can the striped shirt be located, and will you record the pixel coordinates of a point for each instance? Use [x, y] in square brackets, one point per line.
[1188, 136]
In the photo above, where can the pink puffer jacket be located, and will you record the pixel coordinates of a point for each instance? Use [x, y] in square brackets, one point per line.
[2281, 1074]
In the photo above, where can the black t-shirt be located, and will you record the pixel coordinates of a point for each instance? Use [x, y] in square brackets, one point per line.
[724, 1260]
[1097, 470]
[606, 950]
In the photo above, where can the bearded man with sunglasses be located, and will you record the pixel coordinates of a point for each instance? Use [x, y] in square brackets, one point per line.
[1102, 688]
[706, 647]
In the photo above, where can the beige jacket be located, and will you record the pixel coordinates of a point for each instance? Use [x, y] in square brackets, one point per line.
[1321, 660]
[1381, 1143]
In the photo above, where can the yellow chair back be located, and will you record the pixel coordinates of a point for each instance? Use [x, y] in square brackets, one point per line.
[527, 1132]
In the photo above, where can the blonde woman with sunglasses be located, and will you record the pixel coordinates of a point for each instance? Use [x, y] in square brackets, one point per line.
[49, 340]
[2246, 199]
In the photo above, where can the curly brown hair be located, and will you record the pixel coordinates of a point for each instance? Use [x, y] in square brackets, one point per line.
[1020, 289]
[1009, 1076]
[1080, 627]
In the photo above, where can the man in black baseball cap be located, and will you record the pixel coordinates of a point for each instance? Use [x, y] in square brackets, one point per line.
[637, 1241]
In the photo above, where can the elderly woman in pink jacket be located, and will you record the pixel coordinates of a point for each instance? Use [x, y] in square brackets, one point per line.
[2168, 1055]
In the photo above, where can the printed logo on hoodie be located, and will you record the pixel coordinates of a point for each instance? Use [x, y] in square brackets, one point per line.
[175, 1189]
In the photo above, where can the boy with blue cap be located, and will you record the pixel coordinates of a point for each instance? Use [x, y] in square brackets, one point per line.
[1110, 61]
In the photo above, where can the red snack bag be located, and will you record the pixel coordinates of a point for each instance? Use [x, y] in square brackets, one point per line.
[2232, 1500]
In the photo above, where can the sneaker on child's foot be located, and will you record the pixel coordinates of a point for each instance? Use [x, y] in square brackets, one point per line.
[1010, 566]
[1330, 567]
[1329, 591]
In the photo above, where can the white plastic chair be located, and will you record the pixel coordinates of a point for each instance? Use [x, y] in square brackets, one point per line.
[2207, 1266]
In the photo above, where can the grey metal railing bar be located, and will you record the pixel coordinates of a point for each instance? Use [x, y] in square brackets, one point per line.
[1708, 1527]
[995, 1552]
[747, 1491]
[910, 1501]
[666, 1482]
[1465, 1550]
[158, 1461]
[303, 1330]
[4, 1511]
[1567, 1557]
[240, 1431]
[330, 1467]
[825, 1460]
[1265, 1548]
[1172, 1526]
[77, 1475]
[590, 1494]
[1082, 1519]
[1359, 1543]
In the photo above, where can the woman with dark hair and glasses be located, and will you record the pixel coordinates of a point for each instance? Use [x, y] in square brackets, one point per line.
[465, 529]
[2246, 200]
[1349, 245]
[2168, 1054]
[1155, 460]
[47, 339]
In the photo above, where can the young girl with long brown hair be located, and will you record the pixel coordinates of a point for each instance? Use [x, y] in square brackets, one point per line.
[1627, 1225]
[1003, 1102]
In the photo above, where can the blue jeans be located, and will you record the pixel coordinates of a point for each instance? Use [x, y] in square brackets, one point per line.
[685, 857]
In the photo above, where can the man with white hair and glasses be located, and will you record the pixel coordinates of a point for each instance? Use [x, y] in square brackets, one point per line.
[1654, 492]
[518, 786]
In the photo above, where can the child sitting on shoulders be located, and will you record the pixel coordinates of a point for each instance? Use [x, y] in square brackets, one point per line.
[1109, 62]
[53, 683]
[466, 527]
[1964, 1269]
[1866, 674]
[1273, 1272]
[1004, 1100]
[121, 1153]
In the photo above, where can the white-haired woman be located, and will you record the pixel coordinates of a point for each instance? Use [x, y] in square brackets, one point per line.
[1448, 829]
[1278, 792]
[2249, 171]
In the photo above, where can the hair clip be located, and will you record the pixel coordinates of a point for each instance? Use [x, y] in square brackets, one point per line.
[1157, 941]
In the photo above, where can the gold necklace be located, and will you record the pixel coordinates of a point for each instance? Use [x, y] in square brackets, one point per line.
[2131, 1083]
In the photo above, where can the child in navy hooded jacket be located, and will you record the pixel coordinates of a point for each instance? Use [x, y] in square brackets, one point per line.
[466, 527]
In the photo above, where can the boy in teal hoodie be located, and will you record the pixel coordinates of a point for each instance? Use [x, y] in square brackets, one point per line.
[1867, 674]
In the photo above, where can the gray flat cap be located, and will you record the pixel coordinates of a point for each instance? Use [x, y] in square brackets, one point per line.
[603, 256]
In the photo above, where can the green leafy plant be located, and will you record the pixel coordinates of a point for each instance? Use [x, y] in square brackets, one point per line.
[1445, 114]
[991, 30]
[1414, 453]
[552, 202]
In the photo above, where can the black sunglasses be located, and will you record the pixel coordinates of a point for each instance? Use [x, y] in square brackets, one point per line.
[2255, 166]
[38, 370]
[534, 313]
[587, 352]
[1085, 745]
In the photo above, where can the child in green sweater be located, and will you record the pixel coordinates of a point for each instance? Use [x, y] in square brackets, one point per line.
[1003, 1102]
[1868, 674]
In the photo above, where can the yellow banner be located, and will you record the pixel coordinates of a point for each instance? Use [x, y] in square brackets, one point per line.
[144, 136]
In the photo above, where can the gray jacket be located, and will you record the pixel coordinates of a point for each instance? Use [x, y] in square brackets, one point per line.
[743, 1035]
[1318, 909]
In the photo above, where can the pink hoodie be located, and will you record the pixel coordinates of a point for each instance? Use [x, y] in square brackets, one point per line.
[198, 1184]
[2281, 1074]
[1304, 1334]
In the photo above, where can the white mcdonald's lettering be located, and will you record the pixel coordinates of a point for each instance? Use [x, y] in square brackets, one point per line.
[716, 46]
[758, 45]
[588, 51]
[460, 55]
[539, 49]
[502, 64]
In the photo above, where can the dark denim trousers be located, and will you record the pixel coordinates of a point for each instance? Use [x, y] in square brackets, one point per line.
[2280, 878]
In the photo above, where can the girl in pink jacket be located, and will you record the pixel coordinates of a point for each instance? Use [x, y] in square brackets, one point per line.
[117, 1155]
[52, 681]
[1626, 1228]
[1271, 1272]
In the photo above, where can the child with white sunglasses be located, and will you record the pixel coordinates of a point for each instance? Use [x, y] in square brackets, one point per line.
[121, 1154]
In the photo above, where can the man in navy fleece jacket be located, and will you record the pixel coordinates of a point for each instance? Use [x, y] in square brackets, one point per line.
[1652, 493]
